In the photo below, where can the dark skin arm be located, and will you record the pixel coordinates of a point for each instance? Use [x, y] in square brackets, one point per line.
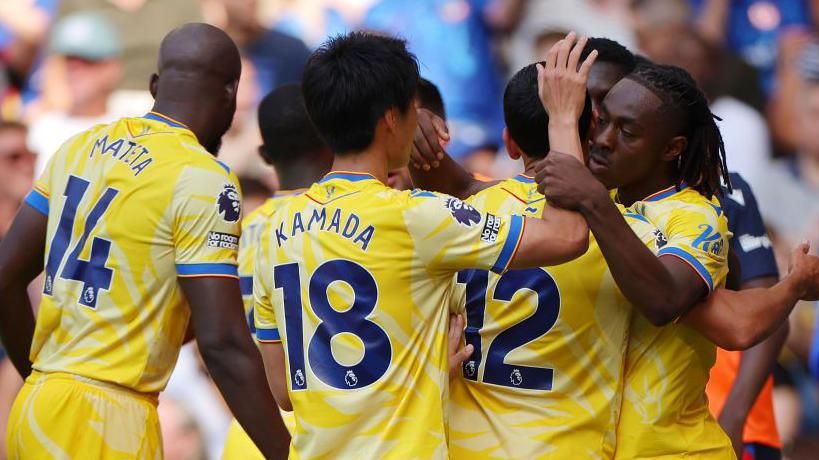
[21, 259]
[234, 361]
[661, 288]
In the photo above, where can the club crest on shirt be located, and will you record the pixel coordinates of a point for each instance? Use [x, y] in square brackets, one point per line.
[465, 214]
[299, 378]
[228, 203]
[470, 368]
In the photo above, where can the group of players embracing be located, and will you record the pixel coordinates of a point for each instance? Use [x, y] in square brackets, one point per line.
[571, 312]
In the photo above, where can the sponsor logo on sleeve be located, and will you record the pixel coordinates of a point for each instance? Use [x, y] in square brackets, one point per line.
[223, 240]
[463, 213]
[489, 234]
[228, 205]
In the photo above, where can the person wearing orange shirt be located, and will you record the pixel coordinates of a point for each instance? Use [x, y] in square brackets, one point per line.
[740, 388]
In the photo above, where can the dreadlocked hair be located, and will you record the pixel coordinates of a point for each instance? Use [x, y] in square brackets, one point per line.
[702, 164]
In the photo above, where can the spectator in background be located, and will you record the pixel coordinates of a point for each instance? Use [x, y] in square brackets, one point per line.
[181, 437]
[141, 25]
[88, 47]
[23, 30]
[744, 131]
[278, 58]
[752, 28]
[16, 171]
[451, 39]
[315, 20]
[659, 24]
[788, 194]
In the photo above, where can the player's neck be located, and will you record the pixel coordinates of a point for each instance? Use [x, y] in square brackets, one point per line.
[629, 194]
[8, 208]
[371, 161]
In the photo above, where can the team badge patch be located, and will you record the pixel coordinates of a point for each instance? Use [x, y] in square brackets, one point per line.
[659, 239]
[228, 203]
[465, 215]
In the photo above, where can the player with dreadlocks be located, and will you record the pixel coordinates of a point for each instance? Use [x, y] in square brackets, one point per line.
[657, 143]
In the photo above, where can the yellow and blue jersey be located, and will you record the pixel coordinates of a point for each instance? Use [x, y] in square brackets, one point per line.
[665, 410]
[355, 279]
[546, 377]
[252, 225]
[131, 206]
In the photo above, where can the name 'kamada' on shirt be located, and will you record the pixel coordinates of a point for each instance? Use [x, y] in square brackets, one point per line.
[348, 226]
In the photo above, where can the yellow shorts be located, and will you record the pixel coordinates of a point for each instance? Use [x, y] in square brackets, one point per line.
[64, 416]
[239, 446]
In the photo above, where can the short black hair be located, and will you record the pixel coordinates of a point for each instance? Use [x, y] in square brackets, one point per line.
[351, 80]
[288, 134]
[611, 52]
[429, 97]
[702, 164]
[525, 117]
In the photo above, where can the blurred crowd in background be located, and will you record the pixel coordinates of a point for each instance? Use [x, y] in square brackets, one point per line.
[66, 65]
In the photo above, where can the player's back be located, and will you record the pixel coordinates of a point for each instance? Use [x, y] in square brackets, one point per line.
[665, 410]
[355, 278]
[545, 380]
[124, 202]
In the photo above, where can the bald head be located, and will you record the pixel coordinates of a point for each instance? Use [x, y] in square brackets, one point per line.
[196, 80]
[200, 51]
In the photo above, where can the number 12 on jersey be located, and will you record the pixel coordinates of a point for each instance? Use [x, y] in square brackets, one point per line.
[377, 348]
[496, 370]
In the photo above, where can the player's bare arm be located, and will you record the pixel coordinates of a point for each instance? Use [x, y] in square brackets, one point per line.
[21, 260]
[738, 320]
[561, 234]
[273, 356]
[661, 288]
[233, 360]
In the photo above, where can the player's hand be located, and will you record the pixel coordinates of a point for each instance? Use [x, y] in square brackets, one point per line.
[430, 137]
[561, 84]
[457, 353]
[566, 182]
[805, 268]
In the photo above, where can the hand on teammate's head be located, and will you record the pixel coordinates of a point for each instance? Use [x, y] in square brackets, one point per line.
[430, 137]
[561, 82]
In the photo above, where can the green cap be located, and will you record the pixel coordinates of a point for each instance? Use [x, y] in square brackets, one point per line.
[86, 34]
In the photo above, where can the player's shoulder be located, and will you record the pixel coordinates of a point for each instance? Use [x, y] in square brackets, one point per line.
[265, 210]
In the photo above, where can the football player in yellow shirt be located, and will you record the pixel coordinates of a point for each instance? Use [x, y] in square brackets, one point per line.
[291, 144]
[658, 144]
[353, 278]
[137, 223]
[490, 412]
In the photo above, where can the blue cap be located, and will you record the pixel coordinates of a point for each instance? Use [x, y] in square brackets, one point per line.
[86, 34]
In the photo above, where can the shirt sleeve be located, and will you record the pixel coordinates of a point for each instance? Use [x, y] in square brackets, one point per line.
[264, 316]
[698, 235]
[750, 242]
[451, 235]
[206, 228]
[39, 196]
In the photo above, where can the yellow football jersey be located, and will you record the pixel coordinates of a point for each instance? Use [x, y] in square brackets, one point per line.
[131, 206]
[359, 277]
[546, 377]
[665, 412]
[252, 225]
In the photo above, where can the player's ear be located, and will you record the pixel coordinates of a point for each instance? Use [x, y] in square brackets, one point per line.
[512, 148]
[675, 148]
[153, 85]
[391, 117]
